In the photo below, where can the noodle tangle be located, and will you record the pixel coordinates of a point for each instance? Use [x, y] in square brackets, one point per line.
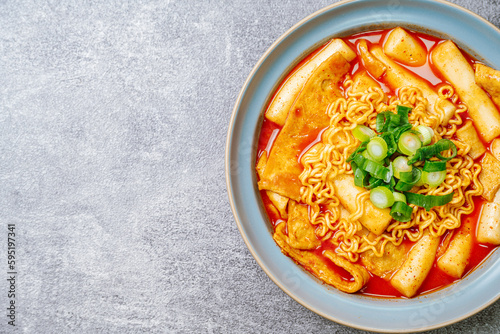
[327, 159]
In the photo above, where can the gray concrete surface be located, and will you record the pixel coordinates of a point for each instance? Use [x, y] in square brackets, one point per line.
[113, 120]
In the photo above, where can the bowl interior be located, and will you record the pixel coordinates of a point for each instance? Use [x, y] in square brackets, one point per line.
[477, 290]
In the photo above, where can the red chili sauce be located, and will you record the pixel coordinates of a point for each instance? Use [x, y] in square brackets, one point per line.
[377, 286]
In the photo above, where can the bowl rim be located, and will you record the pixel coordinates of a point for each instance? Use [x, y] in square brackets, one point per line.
[228, 165]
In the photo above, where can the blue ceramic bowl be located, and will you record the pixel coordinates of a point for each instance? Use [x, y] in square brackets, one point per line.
[473, 293]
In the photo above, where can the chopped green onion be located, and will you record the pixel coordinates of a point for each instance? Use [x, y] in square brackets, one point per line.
[434, 166]
[377, 148]
[409, 143]
[383, 120]
[363, 133]
[399, 197]
[400, 164]
[392, 184]
[388, 137]
[359, 160]
[381, 197]
[453, 149]
[403, 114]
[411, 177]
[361, 178]
[427, 152]
[401, 211]
[377, 170]
[374, 168]
[354, 167]
[408, 179]
[367, 155]
[420, 182]
[428, 201]
[374, 182]
[388, 121]
[403, 186]
[360, 149]
[391, 169]
[425, 134]
[434, 179]
[400, 130]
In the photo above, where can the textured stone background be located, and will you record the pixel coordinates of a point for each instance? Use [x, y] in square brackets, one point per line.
[113, 120]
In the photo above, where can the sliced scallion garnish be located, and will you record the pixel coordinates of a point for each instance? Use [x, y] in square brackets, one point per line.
[367, 155]
[419, 182]
[399, 197]
[360, 149]
[361, 178]
[400, 164]
[425, 134]
[427, 152]
[384, 119]
[374, 168]
[377, 148]
[434, 179]
[428, 201]
[381, 197]
[400, 130]
[401, 211]
[373, 182]
[403, 114]
[377, 167]
[434, 166]
[409, 143]
[363, 133]
[411, 177]
[408, 179]
[377, 170]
